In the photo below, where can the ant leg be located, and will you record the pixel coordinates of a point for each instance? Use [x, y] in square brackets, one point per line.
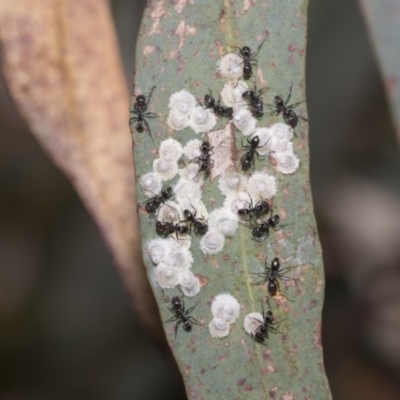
[194, 321]
[303, 118]
[176, 327]
[174, 318]
[189, 310]
[260, 282]
[290, 93]
[150, 115]
[149, 97]
[258, 48]
[148, 129]
[294, 105]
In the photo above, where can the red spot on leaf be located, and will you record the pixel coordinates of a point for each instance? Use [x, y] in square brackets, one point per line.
[292, 47]
[226, 257]
[313, 303]
[248, 388]
[273, 392]
[241, 381]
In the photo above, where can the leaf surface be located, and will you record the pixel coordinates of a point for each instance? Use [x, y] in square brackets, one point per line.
[179, 46]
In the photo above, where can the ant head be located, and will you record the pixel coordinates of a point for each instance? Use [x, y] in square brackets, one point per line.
[243, 212]
[159, 225]
[248, 94]
[187, 214]
[275, 264]
[269, 316]
[245, 51]
[141, 98]
[205, 146]
[176, 301]
[255, 141]
[274, 220]
[257, 232]
[167, 192]
[209, 101]
[187, 326]
[278, 101]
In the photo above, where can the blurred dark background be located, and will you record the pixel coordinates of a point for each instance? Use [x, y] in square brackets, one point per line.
[67, 330]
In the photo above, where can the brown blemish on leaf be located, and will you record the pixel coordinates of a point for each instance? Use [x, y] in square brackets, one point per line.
[182, 30]
[261, 256]
[224, 151]
[203, 280]
[187, 369]
[292, 47]
[148, 50]
[288, 396]
[261, 79]
[267, 355]
[248, 388]
[226, 257]
[246, 5]
[317, 336]
[180, 5]
[273, 392]
[313, 303]
[269, 369]
[241, 382]
[157, 13]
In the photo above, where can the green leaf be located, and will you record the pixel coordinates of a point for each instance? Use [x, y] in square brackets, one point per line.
[383, 21]
[179, 46]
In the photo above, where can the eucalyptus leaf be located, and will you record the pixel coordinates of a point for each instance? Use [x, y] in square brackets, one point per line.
[179, 46]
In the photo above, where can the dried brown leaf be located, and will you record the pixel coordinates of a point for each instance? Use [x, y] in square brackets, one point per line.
[61, 64]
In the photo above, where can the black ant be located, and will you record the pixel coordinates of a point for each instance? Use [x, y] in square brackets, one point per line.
[181, 315]
[153, 204]
[210, 102]
[249, 59]
[138, 113]
[280, 106]
[204, 160]
[199, 227]
[266, 325]
[255, 99]
[261, 207]
[272, 275]
[262, 230]
[168, 228]
[247, 160]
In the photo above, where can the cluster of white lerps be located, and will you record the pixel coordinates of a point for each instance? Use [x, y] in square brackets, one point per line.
[172, 257]
[173, 265]
[225, 310]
